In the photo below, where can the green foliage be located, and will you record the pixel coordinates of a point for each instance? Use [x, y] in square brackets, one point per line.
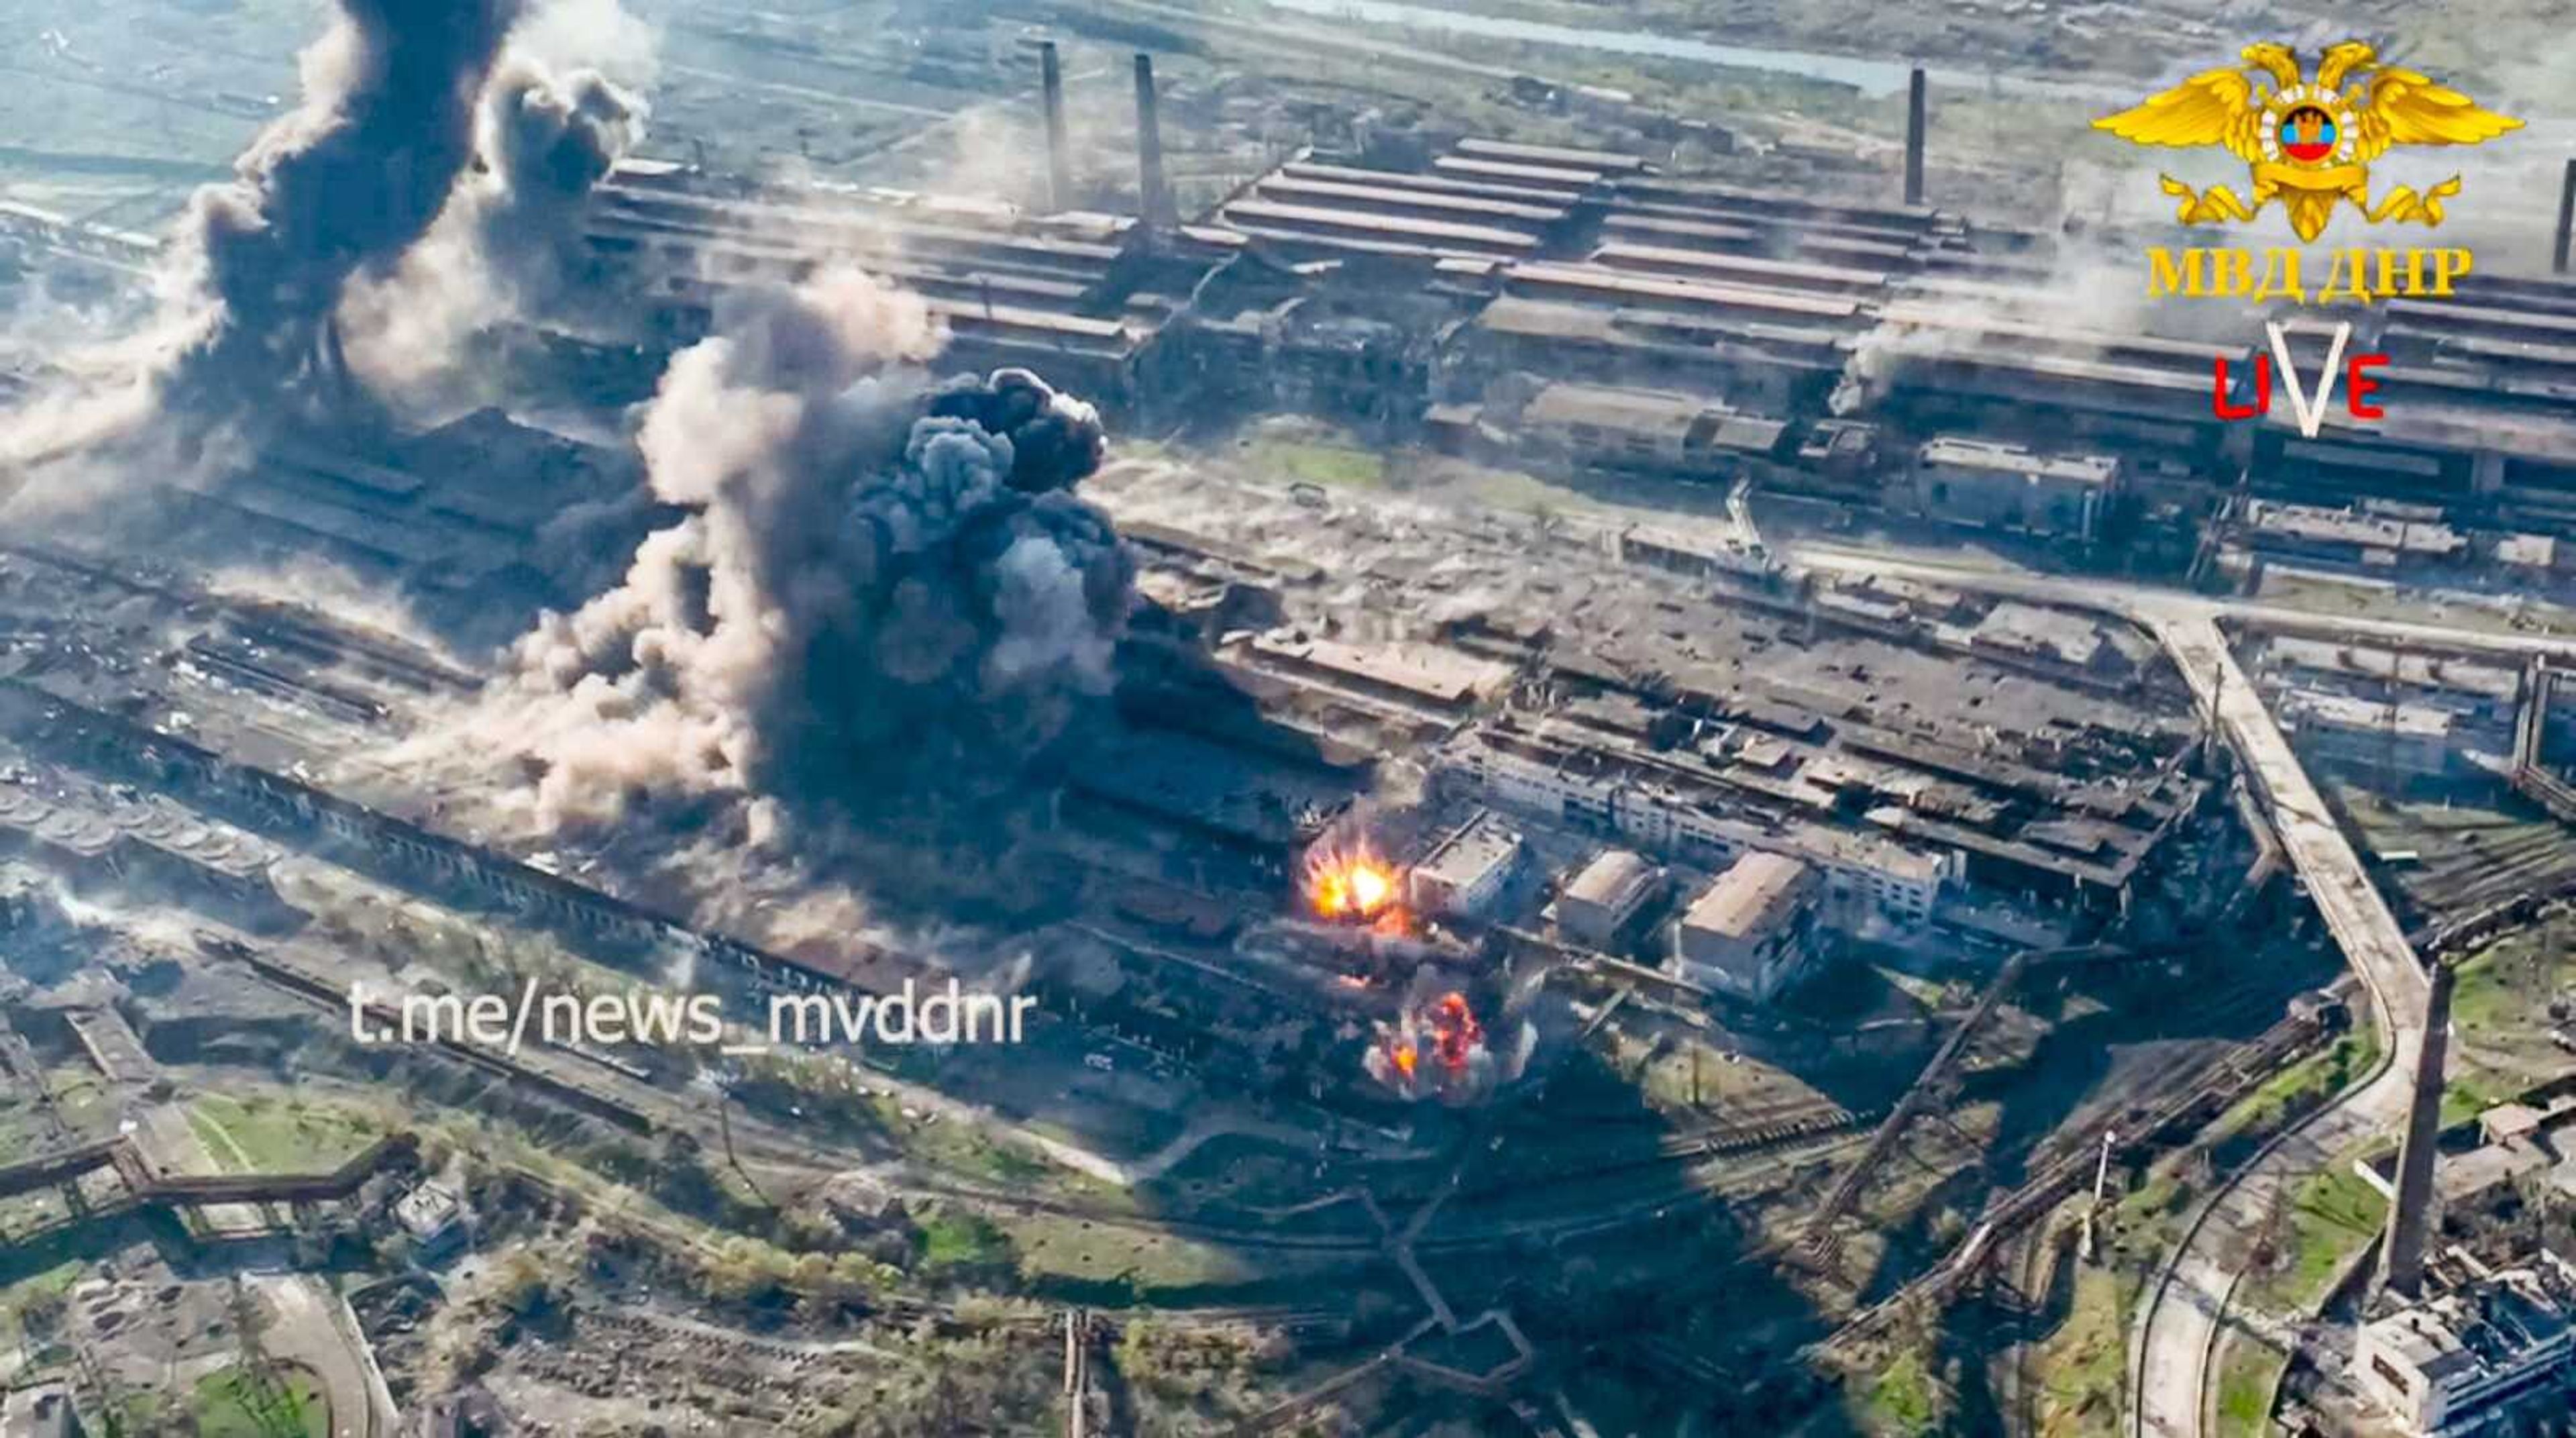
[1905, 1398]
[957, 1241]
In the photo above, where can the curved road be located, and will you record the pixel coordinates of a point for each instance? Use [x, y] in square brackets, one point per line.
[2179, 1327]
[2180, 1318]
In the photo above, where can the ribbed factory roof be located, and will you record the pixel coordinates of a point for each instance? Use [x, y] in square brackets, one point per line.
[1593, 279]
[1407, 180]
[1603, 160]
[1576, 180]
[1327, 192]
[1788, 204]
[1435, 232]
[1960, 332]
[1752, 269]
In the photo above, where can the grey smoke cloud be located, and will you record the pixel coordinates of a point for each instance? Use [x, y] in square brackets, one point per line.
[367, 193]
[507, 244]
[349, 180]
[886, 594]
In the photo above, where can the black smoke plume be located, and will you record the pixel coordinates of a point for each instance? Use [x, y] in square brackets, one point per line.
[344, 184]
[886, 598]
[348, 181]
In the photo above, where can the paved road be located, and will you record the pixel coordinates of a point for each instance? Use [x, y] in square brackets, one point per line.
[2179, 1327]
[2151, 604]
[309, 1324]
[2180, 1318]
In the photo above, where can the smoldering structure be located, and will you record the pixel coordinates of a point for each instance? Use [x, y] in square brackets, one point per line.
[885, 599]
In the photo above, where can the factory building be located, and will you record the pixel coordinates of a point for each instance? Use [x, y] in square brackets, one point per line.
[1082, 298]
[2372, 535]
[2490, 1356]
[1469, 871]
[2001, 486]
[2053, 640]
[2394, 739]
[1752, 932]
[1426, 675]
[1601, 903]
[1678, 435]
[101, 840]
[1867, 876]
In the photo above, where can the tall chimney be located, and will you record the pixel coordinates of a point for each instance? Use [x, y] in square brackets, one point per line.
[1059, 166]
[1914, 138]
[1153, 202]
[2410, 1216]
[2566, 215]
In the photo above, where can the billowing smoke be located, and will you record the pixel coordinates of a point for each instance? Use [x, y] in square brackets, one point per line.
[885, 596]
[348, 181]
[327, 210]
[506, 246]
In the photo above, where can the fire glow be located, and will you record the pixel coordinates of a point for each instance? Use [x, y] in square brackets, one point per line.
[1446, 1028]
[1354, 886]
[1439, 1050]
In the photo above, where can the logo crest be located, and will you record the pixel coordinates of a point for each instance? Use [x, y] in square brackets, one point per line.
[2309, 143]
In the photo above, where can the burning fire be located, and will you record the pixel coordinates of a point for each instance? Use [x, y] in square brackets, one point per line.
[1354, 886]
[1438, 1049]
[1455, 1034]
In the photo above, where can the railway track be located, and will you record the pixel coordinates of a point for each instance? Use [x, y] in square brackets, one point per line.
[558, 1076]
[2134, 1130]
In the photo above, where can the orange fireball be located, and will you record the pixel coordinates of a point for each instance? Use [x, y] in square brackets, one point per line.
[1353, 886]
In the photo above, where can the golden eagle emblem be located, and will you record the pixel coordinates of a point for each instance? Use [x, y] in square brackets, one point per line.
[2310, 143]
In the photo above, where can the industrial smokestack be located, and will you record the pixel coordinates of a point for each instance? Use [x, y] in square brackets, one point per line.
[2566, 215]
[1914, 138]
[2410, 1217]
[1059, 167]
[1153, 203]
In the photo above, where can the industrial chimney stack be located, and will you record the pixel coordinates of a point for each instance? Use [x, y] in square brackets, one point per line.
[1059, 164]
[1914, 137]
[1153, 201]
[2410, 1216]
[2566, 215]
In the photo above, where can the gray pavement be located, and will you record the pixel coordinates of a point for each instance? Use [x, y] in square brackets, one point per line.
[2182, 1314]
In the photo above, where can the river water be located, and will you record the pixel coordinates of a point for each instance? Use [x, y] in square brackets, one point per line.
[1872, 77]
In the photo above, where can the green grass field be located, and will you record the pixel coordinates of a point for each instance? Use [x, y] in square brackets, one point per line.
[228, 1404]
[263, 1134]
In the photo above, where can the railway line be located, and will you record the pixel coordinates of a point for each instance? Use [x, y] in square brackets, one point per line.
[565, 1077]
[2133, 1131]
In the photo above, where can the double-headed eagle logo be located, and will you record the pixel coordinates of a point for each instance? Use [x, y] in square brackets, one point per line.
[2310, 143]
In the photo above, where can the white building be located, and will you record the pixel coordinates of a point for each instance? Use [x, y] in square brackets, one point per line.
[1865, 876]
[1467, 873]
[1751, 934]
[2472, 1359]
[2002, 486]
[1601, 901]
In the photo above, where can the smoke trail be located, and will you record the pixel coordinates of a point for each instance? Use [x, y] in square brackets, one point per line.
[505, 246]
[349, 180]
[885, 596]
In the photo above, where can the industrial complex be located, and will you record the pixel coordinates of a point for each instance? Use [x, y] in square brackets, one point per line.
[1264, 717]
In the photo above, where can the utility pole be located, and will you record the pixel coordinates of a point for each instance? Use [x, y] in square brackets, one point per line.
[2101, 1180]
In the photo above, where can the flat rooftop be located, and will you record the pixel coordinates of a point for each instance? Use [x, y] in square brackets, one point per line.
[1752, 899]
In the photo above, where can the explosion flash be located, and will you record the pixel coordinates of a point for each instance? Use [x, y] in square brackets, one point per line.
[1353, 885]
[1439, 1050]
